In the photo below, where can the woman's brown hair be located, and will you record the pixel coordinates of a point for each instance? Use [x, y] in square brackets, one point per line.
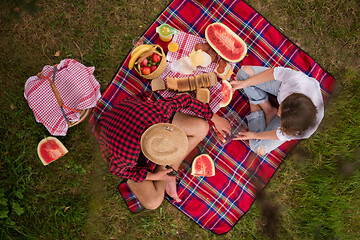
[298, 113]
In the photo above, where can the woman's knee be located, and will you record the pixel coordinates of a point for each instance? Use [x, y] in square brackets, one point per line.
[153, 203]
[191, 125]
[147, 193]
[202, 128]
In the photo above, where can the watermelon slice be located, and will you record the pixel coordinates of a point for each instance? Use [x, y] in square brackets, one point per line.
[203, 165]
[225, 42]
[226, 93]
[50, 149]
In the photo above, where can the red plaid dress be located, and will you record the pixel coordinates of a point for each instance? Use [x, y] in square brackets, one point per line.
[123, 125]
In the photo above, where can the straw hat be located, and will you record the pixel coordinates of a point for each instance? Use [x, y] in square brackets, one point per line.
[164, 144]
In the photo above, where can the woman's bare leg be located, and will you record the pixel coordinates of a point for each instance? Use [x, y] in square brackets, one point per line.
[195, 128]
[151, 193]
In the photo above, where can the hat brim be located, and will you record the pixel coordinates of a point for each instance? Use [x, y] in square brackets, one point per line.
[169, 134]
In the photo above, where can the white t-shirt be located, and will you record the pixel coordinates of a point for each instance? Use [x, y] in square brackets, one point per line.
[298, 82]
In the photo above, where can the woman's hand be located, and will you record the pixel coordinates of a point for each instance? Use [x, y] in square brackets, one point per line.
[161, 175]
[222, 125]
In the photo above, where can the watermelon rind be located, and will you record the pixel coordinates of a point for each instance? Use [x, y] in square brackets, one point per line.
[210, 162]
[218, 51]
[61, 147]
[225, 103]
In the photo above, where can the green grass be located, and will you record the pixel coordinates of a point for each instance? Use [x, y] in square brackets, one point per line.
[316, 189]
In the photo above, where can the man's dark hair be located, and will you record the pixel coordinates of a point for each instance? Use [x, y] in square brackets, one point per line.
[298, 113]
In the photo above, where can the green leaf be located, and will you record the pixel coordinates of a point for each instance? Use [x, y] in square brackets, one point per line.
[17, 208]
[11, 223]
[3, 201]
[4, 213]
[19, 194]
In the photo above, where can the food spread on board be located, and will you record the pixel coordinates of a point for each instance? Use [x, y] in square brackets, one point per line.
[222, 47]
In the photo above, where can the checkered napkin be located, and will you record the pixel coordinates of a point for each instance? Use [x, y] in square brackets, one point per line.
[78, 90]
[218, 203]
[186, 44]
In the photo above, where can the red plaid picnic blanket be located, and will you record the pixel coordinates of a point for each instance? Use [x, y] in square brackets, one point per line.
[217, 203]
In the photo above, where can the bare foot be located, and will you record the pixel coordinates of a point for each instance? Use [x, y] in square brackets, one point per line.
[171, 190]
[269, 110]
[260, 151]
[254, 108]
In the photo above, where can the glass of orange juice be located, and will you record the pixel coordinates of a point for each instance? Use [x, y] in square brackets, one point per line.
[165, 32]
[173, 46]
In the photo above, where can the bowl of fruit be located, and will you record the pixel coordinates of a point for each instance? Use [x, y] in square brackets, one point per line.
[149, 61]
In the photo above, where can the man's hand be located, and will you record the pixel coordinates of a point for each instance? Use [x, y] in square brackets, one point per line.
[238, 85]
[243, 135]
[171, 189]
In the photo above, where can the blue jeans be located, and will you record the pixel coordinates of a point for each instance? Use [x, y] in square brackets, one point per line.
[256, 120]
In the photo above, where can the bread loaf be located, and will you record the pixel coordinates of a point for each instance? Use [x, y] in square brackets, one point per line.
[192, 83]
[171, 83]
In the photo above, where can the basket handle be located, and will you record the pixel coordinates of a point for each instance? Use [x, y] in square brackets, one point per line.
[57, 95]
[54, 89]
[56, 92]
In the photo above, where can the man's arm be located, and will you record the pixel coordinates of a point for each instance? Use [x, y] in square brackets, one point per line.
[265, 76]
[257, 135]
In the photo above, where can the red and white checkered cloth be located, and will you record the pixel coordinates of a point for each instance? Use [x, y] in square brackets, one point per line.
[186, 44]
[77, 87]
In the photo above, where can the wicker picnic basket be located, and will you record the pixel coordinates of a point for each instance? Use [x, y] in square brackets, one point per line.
[160, 69]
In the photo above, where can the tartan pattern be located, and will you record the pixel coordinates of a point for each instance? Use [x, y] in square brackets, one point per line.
[130, 199]
[217, 203]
